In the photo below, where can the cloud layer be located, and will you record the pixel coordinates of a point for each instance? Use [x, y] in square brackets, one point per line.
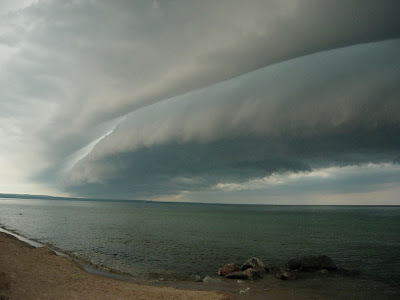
[311, 112]
[147, 99]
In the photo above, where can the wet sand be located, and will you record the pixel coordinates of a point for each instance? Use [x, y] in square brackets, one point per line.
[38, 273]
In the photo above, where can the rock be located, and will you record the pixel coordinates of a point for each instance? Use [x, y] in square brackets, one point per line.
[198, 278]
[311, 263]
[254, 263]
[247, 274]
[236, 275]
[210, 279]
[229, 268]
[285, 275]
[252, 273]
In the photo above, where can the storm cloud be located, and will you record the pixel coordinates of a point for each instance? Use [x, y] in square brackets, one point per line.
[146, 99]
[338, 107]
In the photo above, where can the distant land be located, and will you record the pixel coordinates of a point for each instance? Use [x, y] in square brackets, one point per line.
[45, 197]
[29, 196]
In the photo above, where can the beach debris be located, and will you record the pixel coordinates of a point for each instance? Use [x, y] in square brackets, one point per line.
[244, 291]
[210, 279]
[311, 263]
[285, 275]
[254, 263]
[228, 268]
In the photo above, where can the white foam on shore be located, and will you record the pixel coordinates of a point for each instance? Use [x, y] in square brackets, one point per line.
[21, 238]
[30, 242]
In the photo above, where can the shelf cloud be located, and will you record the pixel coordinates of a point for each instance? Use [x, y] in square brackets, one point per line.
[171, 99]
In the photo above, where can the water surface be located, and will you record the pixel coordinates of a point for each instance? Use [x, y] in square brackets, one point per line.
[175, 241]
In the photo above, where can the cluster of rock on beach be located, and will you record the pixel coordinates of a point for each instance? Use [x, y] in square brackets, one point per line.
[254, 268]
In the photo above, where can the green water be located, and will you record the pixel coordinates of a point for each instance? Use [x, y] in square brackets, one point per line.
[174, 241]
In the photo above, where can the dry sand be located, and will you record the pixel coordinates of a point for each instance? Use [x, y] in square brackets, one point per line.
[38, 273]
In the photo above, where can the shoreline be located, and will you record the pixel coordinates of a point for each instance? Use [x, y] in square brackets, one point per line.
[86, 266]
[32, 270]
[103, 271]
[27, 272]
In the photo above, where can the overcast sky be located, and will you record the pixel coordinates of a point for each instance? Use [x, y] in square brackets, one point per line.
[275, 101]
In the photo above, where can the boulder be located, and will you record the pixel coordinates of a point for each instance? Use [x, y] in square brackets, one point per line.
[254, 263]
[252, 273]
[311, 263]
[285, 275]
[236, 275]
[229, 268]
[248, 274]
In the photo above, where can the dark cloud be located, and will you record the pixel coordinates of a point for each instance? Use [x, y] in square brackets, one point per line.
[316, 26]
[175, 167]
[104, 60]
[145, 97]
[313, 112]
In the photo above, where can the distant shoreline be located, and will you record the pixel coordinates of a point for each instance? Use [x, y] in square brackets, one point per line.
[45, 197]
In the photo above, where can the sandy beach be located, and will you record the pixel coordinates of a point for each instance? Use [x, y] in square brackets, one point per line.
[38, 273]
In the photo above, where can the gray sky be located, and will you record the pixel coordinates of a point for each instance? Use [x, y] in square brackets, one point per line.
[213, 101]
